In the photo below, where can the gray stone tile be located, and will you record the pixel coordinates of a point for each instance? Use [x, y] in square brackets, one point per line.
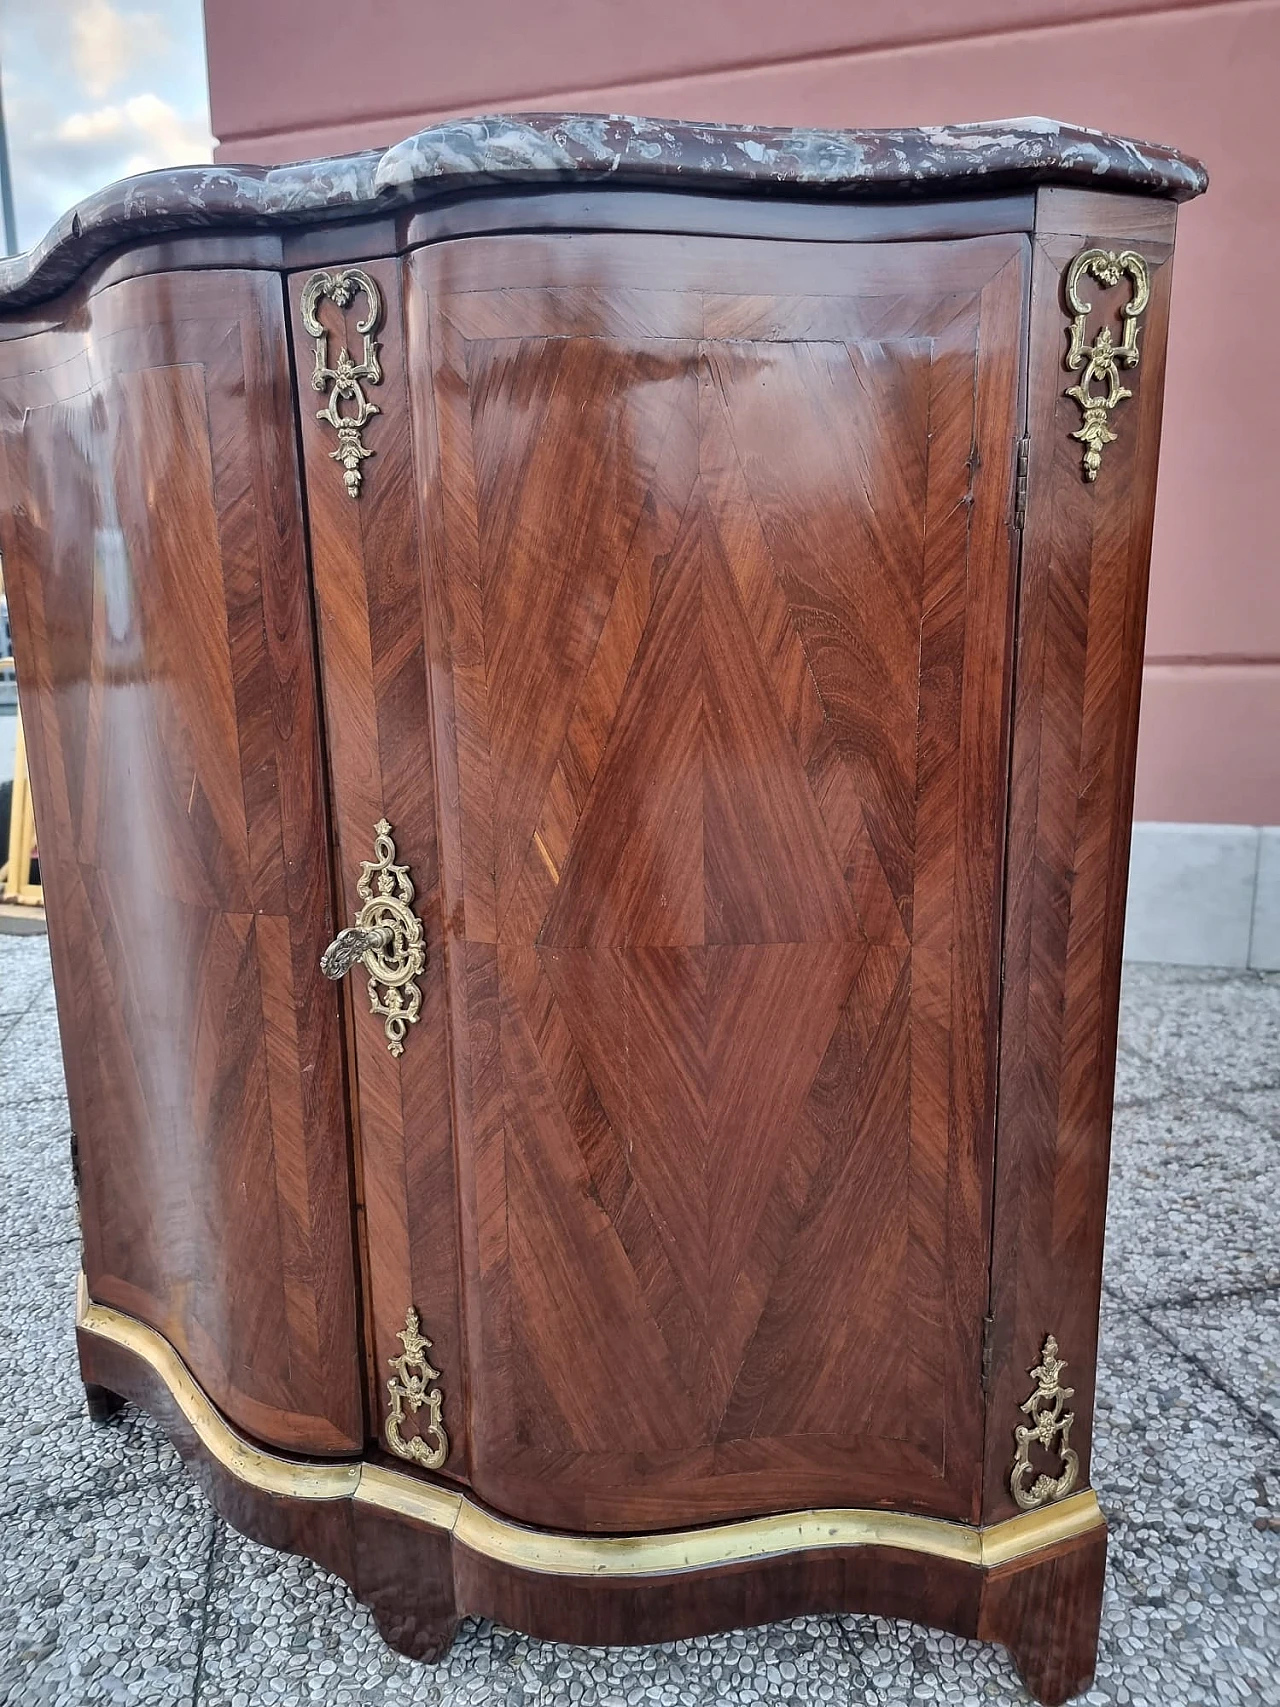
[103, 1535]
[1192, 1203]
[1137, 1081]
[102, 1597]
[39, 1375]
[1260, 1106]
[1191, 893]
[30, 1132]
[25, 975]
[1238, 1341]
[1264, 940]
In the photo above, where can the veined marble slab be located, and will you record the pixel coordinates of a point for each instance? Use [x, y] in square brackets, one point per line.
[547, 148]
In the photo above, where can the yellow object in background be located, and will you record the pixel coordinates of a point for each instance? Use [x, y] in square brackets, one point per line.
[15, 873]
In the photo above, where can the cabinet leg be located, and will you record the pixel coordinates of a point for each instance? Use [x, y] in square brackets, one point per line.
[100, 1402]
[1047, 1614]
[412, 1636]
[405, 1577]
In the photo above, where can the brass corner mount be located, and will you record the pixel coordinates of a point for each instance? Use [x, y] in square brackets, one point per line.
[1103, 359]
[1050, 1428]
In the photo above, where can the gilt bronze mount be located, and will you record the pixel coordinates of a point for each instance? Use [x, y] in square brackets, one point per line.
[386, 938]
[346, 378]
[409, 1386]
[1050, 1428]
[1103, 359]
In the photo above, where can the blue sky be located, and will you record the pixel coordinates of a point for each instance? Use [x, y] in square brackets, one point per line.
[95, 90]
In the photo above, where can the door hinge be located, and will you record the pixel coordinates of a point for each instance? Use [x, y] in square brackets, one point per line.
[988, 1323]
[1020, 483]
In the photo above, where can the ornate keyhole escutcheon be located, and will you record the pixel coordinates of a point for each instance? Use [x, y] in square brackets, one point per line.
[1049, 1427]
[387, 939]
[1099, 389]
[410, 1387]
[348, 409]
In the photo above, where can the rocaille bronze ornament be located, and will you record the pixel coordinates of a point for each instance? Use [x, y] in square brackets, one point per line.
[1049, 1427]
[386, 938]
[344, 379]
[1103, 359]
[409, 1385]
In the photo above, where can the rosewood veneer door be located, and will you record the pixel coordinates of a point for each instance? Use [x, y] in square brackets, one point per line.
[155, 567]
[721, 572]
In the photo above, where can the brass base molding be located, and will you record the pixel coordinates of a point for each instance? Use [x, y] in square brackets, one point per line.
[594, 1556]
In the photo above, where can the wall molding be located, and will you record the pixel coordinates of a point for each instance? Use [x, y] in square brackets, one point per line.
[1204, 895]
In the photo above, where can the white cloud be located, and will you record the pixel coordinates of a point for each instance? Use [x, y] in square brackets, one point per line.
[96, 90]
[106, 44]
[145, 130]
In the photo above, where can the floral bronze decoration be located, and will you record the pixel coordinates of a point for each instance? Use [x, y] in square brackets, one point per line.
[1099, 388]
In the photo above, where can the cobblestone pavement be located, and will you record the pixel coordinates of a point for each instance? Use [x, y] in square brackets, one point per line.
[119, 1585]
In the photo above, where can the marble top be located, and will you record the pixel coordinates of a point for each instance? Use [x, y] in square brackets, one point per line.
[550, 148]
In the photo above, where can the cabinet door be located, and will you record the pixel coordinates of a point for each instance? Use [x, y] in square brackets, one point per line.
[718, 577]
[153, 553]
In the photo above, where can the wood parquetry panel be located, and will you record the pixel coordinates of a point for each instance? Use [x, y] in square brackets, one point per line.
[155, 570]
[1082, 612]
[726, 586]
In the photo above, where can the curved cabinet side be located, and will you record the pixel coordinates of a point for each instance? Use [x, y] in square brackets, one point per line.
[155, 568]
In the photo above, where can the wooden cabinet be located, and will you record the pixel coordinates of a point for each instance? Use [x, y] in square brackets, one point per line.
[675, 598]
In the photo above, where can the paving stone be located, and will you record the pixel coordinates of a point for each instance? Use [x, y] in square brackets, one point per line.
[1207, 1032]
[1184, 1477]
[25, 977]
[31, 1063]
[1238, 1341]
[38, 1368]
[1192, 1208]
[119, 1585]
[35, 1172]
[1261, 1106]
[104, 1537]
[113, 1612]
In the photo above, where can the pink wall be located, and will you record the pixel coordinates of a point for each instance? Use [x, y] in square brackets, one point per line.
[321, 78]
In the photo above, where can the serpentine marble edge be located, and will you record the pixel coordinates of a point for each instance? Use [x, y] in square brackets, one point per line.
[548, 148]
